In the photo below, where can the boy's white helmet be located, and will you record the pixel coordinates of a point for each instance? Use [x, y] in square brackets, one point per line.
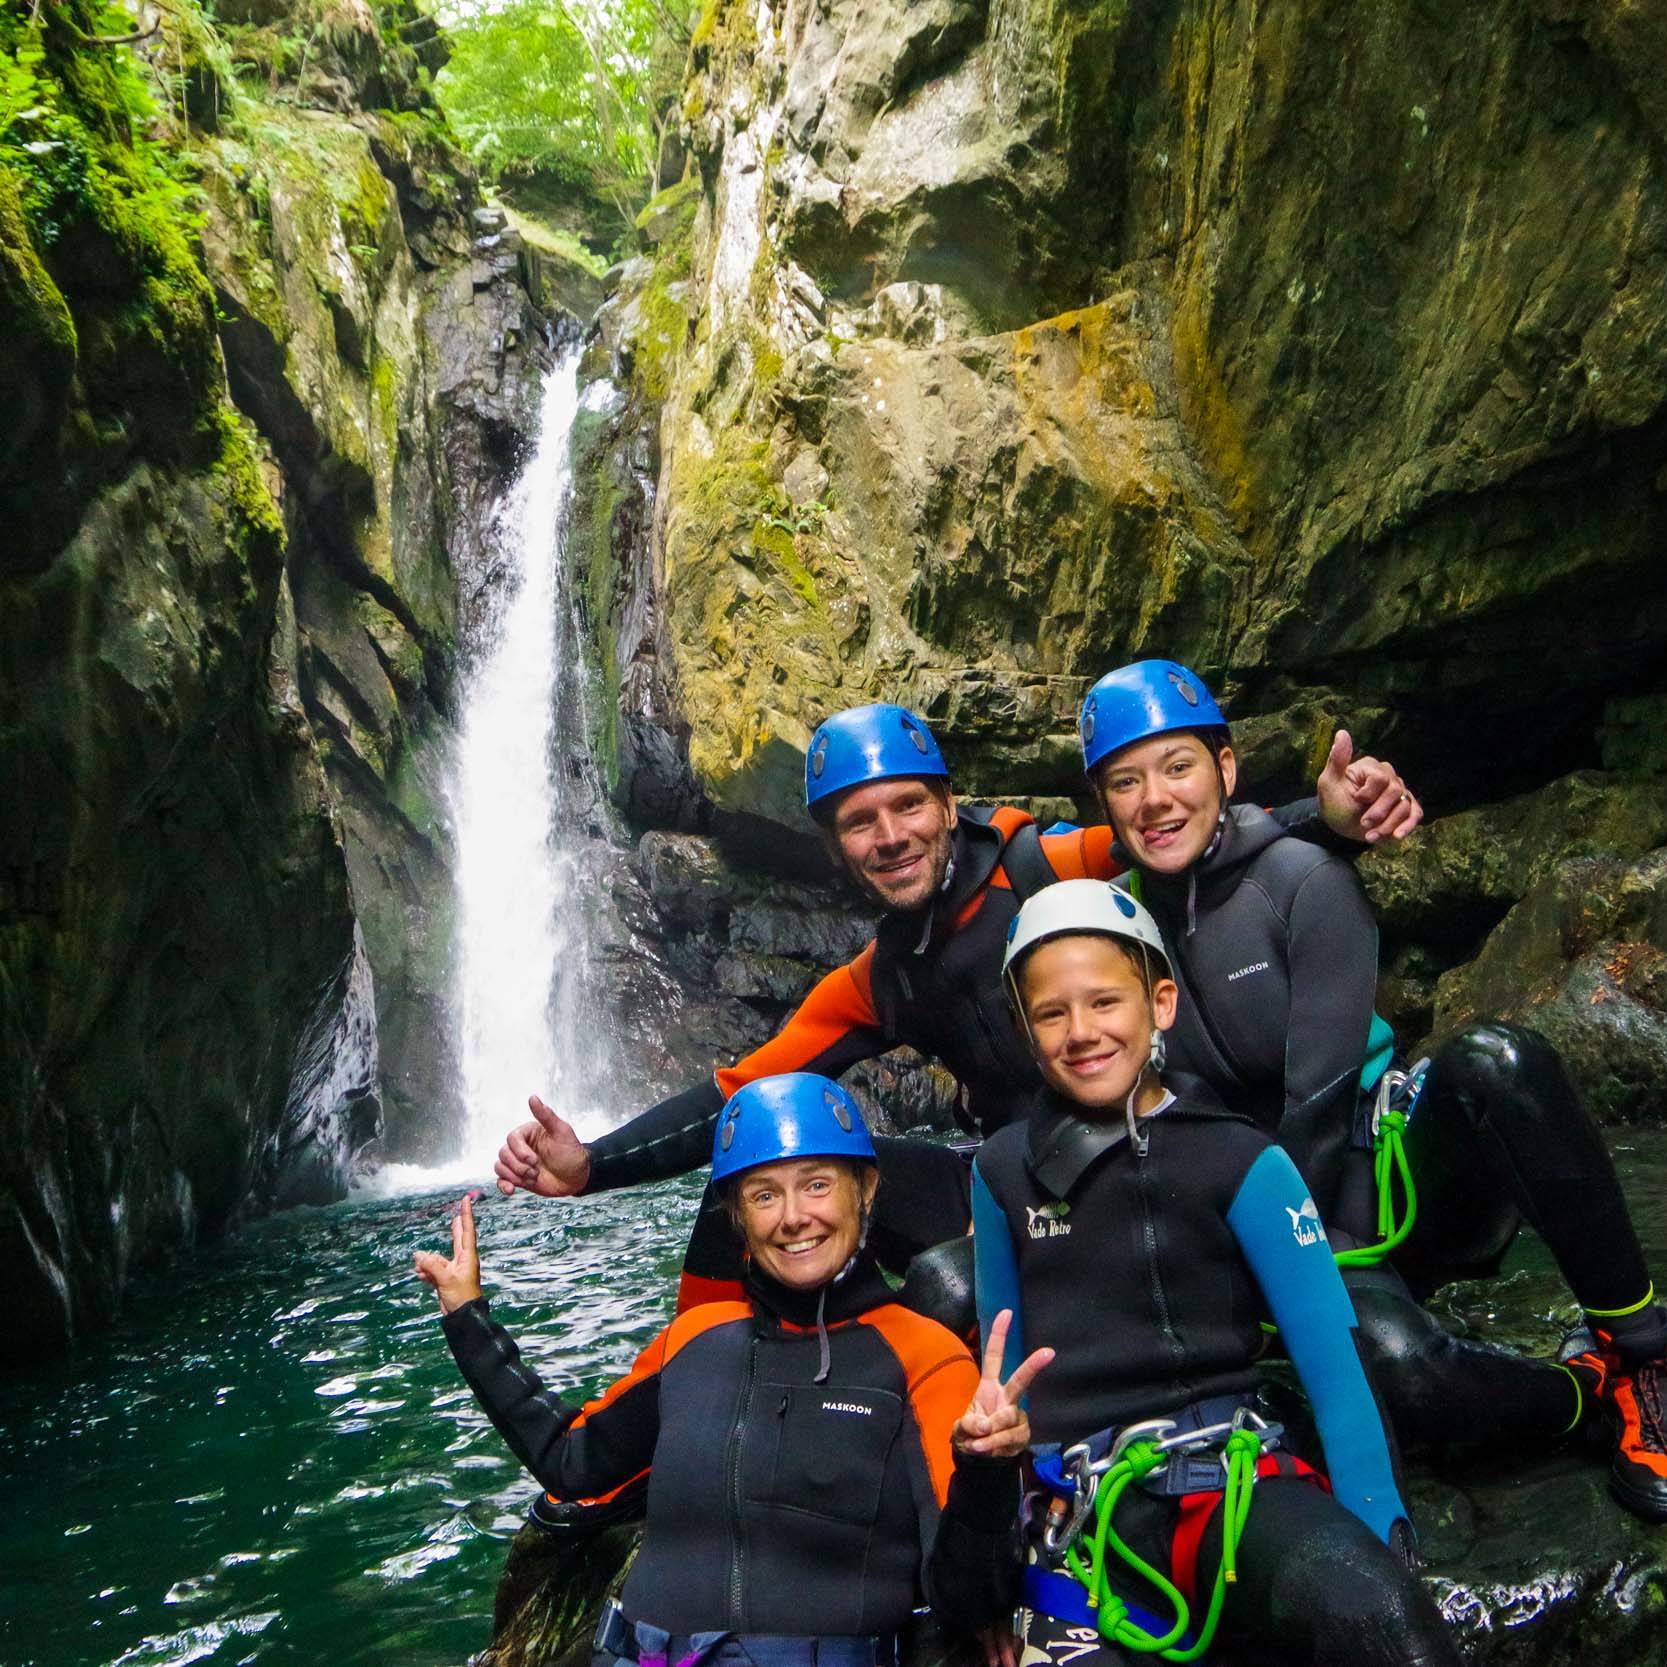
[1073, 906]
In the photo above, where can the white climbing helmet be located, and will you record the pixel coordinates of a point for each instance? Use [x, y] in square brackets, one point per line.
[1072, 906]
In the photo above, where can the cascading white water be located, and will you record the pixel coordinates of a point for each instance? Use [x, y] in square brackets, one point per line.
[519, 814]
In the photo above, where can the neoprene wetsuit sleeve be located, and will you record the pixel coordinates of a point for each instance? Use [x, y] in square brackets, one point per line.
[972, 1571]
[1332, 967]
[668, 1139]
[1279, 1229]
[966, 1506]
[995, 1272]
[1301, 819]
[832, 1029]
[574, 1452]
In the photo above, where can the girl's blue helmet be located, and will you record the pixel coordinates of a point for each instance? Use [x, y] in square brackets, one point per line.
[797, 1115]
[867, 743]
[1149, 697]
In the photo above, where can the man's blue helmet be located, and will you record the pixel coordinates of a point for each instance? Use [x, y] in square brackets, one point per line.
[1150, 697]
[797, 1115]
[867, 743]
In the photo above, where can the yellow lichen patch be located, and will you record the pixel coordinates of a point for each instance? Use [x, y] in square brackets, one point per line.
[1211, 418]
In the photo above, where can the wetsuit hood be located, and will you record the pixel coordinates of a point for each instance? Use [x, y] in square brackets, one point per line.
[1061, 1145]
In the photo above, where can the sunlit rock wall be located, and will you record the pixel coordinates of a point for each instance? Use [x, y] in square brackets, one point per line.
[993, 345]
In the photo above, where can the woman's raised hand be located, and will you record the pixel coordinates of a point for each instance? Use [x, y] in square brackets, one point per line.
[995, 1425]
[455, 1278]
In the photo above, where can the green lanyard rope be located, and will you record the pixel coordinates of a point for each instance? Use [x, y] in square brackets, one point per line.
[1241, 1451]
[1389, 1159]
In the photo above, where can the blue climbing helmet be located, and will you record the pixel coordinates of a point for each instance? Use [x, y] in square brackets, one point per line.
[796, 1115]
[1149, 697]
[867, 743]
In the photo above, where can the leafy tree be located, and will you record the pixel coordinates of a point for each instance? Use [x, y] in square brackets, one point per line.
[578, 89]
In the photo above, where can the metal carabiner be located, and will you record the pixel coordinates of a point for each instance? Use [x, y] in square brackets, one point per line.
[1389, 1085]
[1155, 1430]
[1077, 1468]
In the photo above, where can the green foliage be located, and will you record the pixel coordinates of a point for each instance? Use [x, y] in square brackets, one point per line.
[578, 90]
[76, 124]
[800, 518]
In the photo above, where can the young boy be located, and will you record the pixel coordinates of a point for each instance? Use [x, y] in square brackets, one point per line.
[1143, 1231]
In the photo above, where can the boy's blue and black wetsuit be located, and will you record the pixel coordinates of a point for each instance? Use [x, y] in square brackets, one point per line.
[1149, 1271]
[1274, 947]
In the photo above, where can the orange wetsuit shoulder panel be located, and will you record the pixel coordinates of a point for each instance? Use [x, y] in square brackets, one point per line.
[683, 1330]
[941, 1379]
[1084, 854]
[839, 1004]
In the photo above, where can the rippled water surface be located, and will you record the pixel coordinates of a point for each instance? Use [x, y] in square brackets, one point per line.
[274, 1459]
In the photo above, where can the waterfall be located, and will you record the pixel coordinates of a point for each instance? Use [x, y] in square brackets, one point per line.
[524, 801]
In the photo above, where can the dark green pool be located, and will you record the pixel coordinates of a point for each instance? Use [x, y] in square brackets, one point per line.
[274, 1460]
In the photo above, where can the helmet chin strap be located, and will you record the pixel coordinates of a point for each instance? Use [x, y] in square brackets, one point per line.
[1221, 813]
[824, 1362]
[1138, 1137]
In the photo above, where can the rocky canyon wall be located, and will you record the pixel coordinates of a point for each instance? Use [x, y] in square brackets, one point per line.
[985, 346]
[265, 369]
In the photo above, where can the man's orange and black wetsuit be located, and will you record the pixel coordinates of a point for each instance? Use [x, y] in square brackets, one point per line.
[930, 980]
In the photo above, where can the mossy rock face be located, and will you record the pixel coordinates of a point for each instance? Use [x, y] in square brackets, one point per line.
[1544, 910]
[37, 345]
[228, 645]
[176, 900]
[1142, 396]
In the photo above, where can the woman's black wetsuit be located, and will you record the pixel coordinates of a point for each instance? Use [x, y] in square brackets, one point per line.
[1275, 949]
[803, 1483]
[1149, 1272]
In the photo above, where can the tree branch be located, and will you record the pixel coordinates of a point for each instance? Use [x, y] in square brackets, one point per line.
[140, 34]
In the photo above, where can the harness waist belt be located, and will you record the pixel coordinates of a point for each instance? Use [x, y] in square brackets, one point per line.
[1183, 1472]
[648, 1644]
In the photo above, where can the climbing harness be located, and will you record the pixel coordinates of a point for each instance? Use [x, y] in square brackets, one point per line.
[1392, 1107]
[1162, 1457]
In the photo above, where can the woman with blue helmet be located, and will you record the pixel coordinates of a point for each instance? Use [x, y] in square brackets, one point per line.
[821, 1457]
[1275, 951]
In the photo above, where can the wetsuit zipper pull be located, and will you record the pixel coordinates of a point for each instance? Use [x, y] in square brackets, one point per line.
[781, 1411]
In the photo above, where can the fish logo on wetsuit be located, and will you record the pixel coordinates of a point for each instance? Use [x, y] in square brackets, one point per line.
[1305, 1222]
[1044, 1220]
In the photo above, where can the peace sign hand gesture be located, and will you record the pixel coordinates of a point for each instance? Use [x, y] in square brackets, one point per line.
[455, 1278]
[995, 1425]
